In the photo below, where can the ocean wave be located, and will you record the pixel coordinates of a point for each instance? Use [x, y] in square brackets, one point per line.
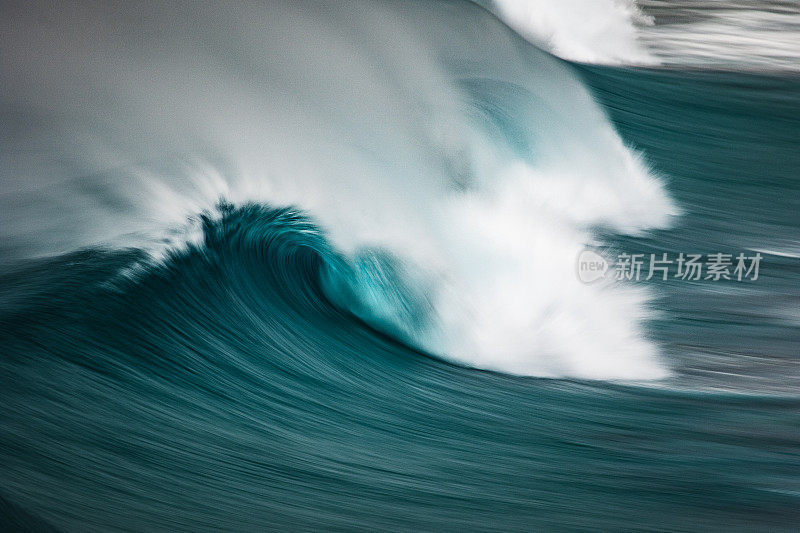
[461, 189]
[291, 266]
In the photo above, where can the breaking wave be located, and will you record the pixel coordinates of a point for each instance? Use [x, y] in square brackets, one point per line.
[459, 189]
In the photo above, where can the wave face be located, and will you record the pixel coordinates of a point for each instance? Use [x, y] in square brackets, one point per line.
[460, 189]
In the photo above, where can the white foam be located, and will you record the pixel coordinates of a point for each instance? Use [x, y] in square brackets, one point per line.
[514, 302]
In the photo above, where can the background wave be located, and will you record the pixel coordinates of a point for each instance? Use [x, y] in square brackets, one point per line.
[589, 31]
[730, 35]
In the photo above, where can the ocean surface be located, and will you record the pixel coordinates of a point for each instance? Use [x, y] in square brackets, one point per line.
[314, 267]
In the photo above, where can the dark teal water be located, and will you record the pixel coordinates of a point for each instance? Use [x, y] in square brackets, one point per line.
[728, 142]
[216, 393]
[220, 389]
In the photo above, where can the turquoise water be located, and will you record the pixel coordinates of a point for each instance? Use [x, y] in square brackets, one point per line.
[258, 376]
